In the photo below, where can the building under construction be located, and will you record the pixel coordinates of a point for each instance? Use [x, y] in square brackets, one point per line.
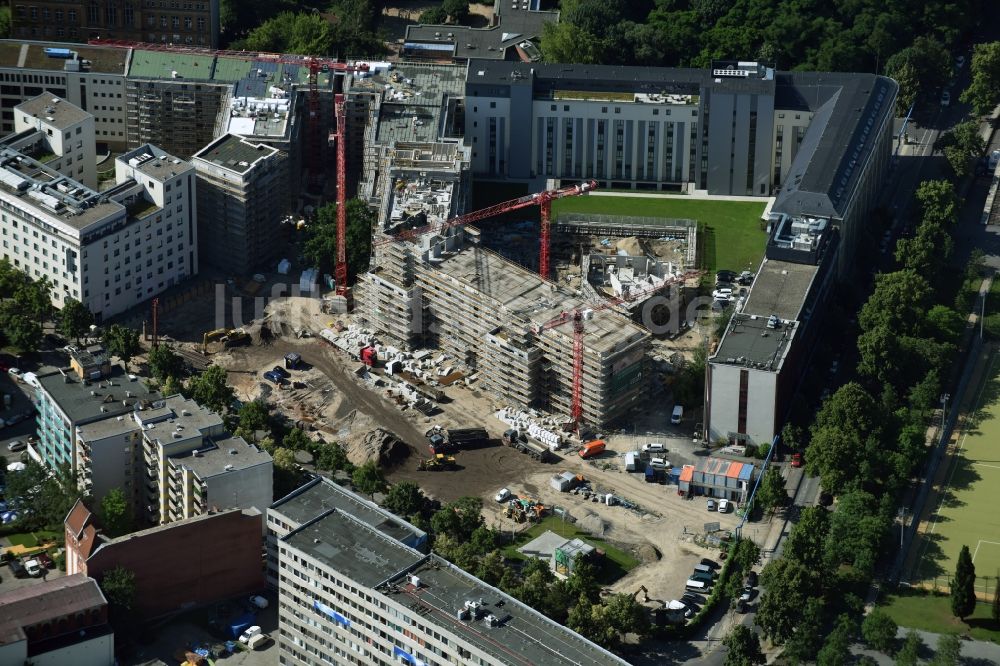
[444, 290]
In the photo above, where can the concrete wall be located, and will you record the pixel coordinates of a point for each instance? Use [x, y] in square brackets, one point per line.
[247, 487]
[188, 563]
[762, 402]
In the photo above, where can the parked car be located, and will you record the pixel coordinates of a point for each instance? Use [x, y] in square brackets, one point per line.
[274, 377]
[259, 642]
[17, 445]
[946, 98]
[692, 598]
[752, 579]
[503, 495]
[723, 506]
[45, 560]
[33, 567]
[18, 569]
[959, 62]
[249, 633]
[281, 371]
[796, 460]
[709, 563]
[15, 373]
[258, 601]
[724, 275]
[711, 505]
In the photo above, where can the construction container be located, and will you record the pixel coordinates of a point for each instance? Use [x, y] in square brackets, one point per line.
[563, 482]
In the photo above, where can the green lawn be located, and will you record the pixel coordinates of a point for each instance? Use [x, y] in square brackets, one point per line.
[31, 539]
[731, 238]
[919, 609]
[961, 516]
[617, 561]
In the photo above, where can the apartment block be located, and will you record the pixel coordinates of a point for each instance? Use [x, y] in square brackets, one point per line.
[58, 622]
[69, 401]
[221, 558]
[318, 496]
[193, 465]
[193, 23]
[242, 201]
[110, 250]
[59, 134]
[350, 593]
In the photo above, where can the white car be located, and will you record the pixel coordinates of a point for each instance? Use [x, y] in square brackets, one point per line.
[724, 295]
[15, 373]
[503, 495]
[723, 506]
[711, 505]
[249, 633]
[33, 567]
[946, 98]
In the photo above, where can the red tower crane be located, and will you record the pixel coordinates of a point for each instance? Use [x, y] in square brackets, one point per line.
[542, 199]
[340, 268]
[313, 64]
[577, 318]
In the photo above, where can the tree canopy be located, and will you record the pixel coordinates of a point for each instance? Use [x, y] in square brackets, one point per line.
[115, 513]
[74, 319]
[320, 248]
[742, 647]
[211, 389]
[963, 585]
[368, 479]
[984, 91]
[122, 341]
[24, 304]
[164, 362]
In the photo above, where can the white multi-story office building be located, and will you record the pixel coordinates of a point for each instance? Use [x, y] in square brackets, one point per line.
[110, 250]
[60, 134]
[350, 591]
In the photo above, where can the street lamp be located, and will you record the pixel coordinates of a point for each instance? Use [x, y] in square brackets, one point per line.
[944, 410]
[902, 524]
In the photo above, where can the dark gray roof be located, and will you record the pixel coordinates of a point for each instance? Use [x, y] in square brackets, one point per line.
[849, 110]
[74, 397]
[47, 105]
[215, 456]
[514, 25]
[321, 494]
[749, 342]
[780, 288]
[353, 548]
[523, 636]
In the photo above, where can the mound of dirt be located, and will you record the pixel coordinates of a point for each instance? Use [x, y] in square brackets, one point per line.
[377, 445]
[647, 553]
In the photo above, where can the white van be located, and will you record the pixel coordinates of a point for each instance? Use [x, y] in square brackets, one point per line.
[654, 447]
[678, 414]
[659, 463]
[695, 586]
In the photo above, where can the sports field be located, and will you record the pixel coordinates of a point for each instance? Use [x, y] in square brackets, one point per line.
[731, 237]
[968, 505]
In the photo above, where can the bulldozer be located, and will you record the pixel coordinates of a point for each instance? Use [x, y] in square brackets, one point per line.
[210, 336]
[437, 463]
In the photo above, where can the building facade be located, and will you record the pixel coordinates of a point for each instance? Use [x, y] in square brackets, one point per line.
[351, 593]
[58, 622]
[221, 558]
[193, 24]
[243, 200]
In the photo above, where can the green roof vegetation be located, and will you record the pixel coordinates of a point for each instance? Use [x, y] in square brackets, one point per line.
[162, 65]
[231, 69]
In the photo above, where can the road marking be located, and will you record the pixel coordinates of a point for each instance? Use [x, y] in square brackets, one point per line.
[985, 465]
[981, 542]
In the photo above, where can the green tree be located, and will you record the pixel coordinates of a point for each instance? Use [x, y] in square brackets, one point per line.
[254, 416]
[296, 440]
[938, 202]
[173, 386]
[4, 22]
[458, 10]
[320, 248]
[283, 459]
[961, 145]
[115, 513]
[879, 630]
[303, 33]
[909, 654]
[772, 493]
[211, 389]
[118, 585]
[626, 615]
[368, 479]
[984, 91]
[164, 362]
[845, 426]
[74, 319]
[122, 342]
[807, 639]
[857, 529]
[899, 302]
[491, 568]
[949, 651]
[405, 499]
[433, 16]
[836, 649]
[689, 382]
[924, 66]
[963, 586]
[788, 585]
[743, 647]
[18, 328]
[805, 542]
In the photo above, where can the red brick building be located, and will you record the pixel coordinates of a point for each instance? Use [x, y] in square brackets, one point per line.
[183, 564]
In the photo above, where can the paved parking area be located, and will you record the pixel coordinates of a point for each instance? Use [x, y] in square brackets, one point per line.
[9, 582]
[190, 629]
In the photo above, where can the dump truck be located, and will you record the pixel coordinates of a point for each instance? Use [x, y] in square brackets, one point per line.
[524, 444]
[456, 439]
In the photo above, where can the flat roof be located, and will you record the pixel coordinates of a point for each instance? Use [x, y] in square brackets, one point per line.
[220, 456]
[163, 64]
[45, 600]
[353, 548]
[780, 288]
[749, 343]
[534, 301]
[156, 162]
[31, 55]
[75, 398]
[234, 153]
[523, 636]
[322, 494]
[109, 427]
[47, 105]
